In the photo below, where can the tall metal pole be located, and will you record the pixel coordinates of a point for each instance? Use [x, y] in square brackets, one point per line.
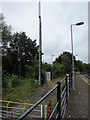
[40, 47]
[73, 85]
[73, 76]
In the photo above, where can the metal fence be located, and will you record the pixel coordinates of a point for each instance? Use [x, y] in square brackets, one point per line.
[63, 89]
[10, 109]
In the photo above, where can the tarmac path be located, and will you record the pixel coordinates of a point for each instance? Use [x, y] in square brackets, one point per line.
[79, 100]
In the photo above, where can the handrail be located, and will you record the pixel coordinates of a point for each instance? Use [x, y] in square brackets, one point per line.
[35, 105]
[53, 111]
[63, 91]
[62, 100]
[62, 80]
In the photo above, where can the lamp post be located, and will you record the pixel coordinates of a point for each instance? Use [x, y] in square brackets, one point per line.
[40, 47]
[77, 24]
[52, 66]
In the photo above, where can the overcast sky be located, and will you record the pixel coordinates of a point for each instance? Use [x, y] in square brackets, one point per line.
[56, 20]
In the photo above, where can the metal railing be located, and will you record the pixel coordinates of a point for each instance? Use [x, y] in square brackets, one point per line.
[65, 94]
[63, 89]
[10, 109]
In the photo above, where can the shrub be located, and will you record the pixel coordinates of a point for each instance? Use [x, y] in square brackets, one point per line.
[14, 80]
[9, 81]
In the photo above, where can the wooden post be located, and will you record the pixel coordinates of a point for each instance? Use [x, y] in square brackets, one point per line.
[49, 107]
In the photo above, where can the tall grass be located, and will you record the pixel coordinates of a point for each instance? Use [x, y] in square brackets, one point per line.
[20, 92]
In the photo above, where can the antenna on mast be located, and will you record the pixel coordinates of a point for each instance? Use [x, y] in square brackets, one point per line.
[39, 8]
[40, 47]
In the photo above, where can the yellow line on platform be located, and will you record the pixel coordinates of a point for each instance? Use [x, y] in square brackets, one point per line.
[84, 80]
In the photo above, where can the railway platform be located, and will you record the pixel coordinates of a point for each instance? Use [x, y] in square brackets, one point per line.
[79, 99]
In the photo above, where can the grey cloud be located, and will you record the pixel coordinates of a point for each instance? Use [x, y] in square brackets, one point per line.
[56, 20]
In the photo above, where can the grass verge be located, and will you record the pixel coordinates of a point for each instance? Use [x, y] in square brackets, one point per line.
[20, 92]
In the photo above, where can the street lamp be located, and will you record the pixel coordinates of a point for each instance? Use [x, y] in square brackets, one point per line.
[52, 66]
[77, 24]
[40, 47]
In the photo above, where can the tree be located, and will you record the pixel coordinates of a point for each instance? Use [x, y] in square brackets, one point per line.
[87, 66]
[6, 34]
[18, 50]
[58, 69]
[80, 66]
[65, 60]
[21, 52]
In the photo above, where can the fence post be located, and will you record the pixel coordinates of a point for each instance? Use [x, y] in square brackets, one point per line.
[41, 111]
[68, 84]
[45, 112]
[7, 108]
[49, 107]
[66, 90]
[71, 78]
[59, 100]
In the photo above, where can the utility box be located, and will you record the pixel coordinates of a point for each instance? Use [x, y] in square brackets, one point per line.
[48, 76]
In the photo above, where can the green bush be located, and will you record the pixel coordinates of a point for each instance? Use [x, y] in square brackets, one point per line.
[9, 81]
[4, 80]
[14, 80]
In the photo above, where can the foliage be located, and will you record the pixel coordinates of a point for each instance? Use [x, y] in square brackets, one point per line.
[65, 60]
[10, 81]
[21, 91]
[21, 52]
[87, 68]
[4, 80]
[46, 68]
[6, 34]
[79, 66]
[58, 70]
[20, 56]
[14, 80]
[18, 51]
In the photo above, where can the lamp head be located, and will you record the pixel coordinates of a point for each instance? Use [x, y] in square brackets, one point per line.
[80, 23]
